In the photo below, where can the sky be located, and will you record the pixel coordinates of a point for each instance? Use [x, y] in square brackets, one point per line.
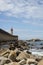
[24, 16]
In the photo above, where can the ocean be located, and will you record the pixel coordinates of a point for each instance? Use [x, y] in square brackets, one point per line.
[36, 48]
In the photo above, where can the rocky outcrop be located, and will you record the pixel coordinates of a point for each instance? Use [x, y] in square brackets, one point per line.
[19, 56]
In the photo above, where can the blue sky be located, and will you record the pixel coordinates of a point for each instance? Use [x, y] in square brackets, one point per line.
[24, 16]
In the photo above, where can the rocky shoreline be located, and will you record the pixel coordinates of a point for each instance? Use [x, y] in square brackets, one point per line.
[19, 55]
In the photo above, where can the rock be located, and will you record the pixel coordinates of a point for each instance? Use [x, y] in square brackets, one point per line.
[12, 55]
[23, 55]
[2, 51]
[4, 60]
[12, 63]
[31, 61]
[40, 63]
[27, 51]
[11, 46]
[6, 53]
[17, 51]
[37, 59]
[22, 62]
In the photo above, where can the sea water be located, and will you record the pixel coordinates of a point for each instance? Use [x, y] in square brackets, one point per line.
[35, 48]
[38, 52]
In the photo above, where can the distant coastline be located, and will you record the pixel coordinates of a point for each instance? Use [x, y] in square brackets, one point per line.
[34, 40]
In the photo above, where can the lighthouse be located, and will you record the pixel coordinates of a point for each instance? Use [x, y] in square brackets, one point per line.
[12, 31]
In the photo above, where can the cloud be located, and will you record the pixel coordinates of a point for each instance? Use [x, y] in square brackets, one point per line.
[33, 22]
[4, 6]
[22, 8]
[40, 2]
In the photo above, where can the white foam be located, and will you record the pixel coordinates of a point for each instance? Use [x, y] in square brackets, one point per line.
[36, 52]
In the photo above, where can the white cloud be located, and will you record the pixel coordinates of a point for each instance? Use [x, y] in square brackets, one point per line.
[4, 6]
[22, 8]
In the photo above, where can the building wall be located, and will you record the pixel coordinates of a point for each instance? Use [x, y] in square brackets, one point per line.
[5, 37]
